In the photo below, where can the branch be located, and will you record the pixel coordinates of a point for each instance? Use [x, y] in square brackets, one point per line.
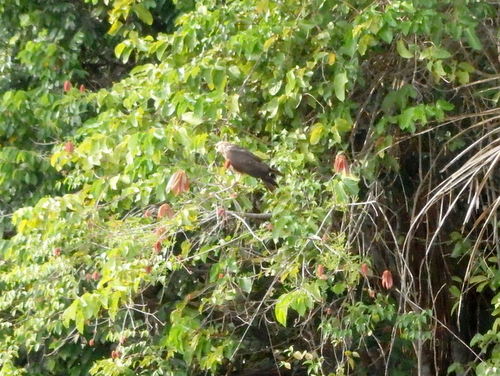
[262, 216]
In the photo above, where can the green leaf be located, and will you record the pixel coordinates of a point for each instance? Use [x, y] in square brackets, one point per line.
[281, 308]
[434, 52]
[262, 6]
[467, 67]
[339, 288]
[268, 43]
[316, 132]
[386, 34]
[70, 313]
[455, 291]
[79, 320]
[343, 125]
[472, 39]
[143, 13]
[402, 50]
[406, 120]
[191, 118]
[313, 290]
[115, 27]
[301, 302]
[119, 49]
[340, 194]
[234, 71]
[272, 107]
[478, 279]
[335, 136]
[214, 272]
[463, 77]
[437, 69]
[444, 105]
[185, 248]
[331, 58]
[351, 185]
[113, 306]
[90, 305]
[339, 83]
[219, 78]
[290, 82]
[275, 88]
[245, 284]
[366, 41]
[233, 104]
[113, 182]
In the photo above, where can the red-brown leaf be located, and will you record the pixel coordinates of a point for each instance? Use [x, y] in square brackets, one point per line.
[221, 213]
[320, 272]
[178, 183]
[341, 166]
[67, 86]
[365, 269]
[157, 246]
[69, 147]
[165, 211]
[159, 231]
[148, 213]
[387, 279]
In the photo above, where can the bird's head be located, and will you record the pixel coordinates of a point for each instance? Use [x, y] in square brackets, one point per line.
[222, 147]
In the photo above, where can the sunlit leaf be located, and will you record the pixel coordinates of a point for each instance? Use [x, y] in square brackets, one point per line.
[316, 132]
[402, 50]
[339, 83]
[281, 309]
[143, 13]
[191, 118]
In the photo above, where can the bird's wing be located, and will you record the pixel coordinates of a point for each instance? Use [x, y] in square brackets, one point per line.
[239, 152]
[244, 161]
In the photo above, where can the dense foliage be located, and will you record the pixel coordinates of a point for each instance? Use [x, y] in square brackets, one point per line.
[129, 250]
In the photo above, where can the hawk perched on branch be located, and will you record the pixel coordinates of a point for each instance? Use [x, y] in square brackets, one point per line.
[248, 163]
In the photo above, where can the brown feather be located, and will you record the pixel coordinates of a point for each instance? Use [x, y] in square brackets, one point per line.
[248, 163]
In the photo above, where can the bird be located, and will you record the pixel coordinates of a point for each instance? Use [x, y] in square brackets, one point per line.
[245, 162]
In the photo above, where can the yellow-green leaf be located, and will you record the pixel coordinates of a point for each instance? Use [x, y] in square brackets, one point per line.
[316, 132]
[191, 118]
[339, 85]
[343, 125]
[185, 248]
[262, 6]
[143, 13]
[79, 320]
[281, 309]
[115, 27]
[331, 58]
[366, 41]
[119, 49]
[402, 50]
[233, 104]
[268, 43]
[463, 77]
[472, 38]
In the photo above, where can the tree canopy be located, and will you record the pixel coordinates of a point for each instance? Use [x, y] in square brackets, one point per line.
[128, 249]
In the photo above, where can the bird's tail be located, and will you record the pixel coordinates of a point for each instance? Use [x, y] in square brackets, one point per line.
[270, 183]
[276, 172]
